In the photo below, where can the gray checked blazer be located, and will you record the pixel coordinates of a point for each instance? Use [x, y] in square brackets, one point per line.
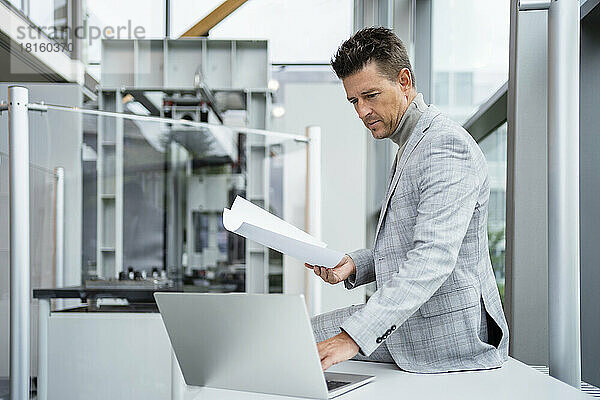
[430, 259]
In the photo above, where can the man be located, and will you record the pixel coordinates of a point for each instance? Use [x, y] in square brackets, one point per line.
[436, 307]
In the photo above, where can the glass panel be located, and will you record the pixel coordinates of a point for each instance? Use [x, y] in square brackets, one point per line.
[166, 210]
[494, 149]
[469, 53]
[176, 181]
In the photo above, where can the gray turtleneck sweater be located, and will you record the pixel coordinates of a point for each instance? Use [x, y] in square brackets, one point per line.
[408, 122]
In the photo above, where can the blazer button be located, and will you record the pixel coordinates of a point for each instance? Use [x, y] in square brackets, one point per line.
[388, 331]
[378, 340]
[393, 327]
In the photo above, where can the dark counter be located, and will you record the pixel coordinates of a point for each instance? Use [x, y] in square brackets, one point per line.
[133, 295]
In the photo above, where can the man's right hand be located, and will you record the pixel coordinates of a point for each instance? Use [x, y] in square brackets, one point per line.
[337, 274]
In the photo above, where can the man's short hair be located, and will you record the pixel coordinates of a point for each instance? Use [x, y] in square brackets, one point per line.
[377, 44]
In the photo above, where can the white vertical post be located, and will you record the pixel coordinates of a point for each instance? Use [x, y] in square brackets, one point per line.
[313, 211]
[59, 257]
[18, 139]
[42, 377]
[563, 191]
[119, 192]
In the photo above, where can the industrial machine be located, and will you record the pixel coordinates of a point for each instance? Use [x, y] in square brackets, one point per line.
[199, 166]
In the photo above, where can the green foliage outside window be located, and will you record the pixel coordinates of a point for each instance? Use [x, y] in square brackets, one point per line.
[496, 248]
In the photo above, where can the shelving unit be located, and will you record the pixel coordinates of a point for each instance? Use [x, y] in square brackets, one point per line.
[109, 166]
[172, 65]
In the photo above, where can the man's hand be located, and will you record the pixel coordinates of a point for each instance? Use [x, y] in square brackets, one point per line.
[337, 274]
[334, 350]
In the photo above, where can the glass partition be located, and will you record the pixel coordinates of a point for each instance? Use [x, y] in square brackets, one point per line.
[153, 193]
[153, 198]
[42, 214]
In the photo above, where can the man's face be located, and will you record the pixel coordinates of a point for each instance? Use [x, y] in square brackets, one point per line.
[379, 102]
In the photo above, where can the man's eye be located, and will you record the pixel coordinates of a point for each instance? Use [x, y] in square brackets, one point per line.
[371, 95]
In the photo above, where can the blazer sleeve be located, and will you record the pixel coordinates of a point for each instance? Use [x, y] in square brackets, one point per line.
[365, 268]
[448, 182]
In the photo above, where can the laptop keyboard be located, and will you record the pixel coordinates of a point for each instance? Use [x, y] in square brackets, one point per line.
[332, 385]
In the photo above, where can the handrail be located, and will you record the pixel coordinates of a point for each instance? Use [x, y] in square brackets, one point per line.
[489, 116]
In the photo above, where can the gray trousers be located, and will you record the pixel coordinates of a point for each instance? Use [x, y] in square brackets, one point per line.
[328, 325]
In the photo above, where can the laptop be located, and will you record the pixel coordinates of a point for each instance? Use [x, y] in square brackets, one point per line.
[252, 342]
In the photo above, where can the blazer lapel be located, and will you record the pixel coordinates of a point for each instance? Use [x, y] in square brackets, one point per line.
[413, 141]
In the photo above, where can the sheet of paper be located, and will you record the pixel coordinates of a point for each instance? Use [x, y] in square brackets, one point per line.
[252, 222]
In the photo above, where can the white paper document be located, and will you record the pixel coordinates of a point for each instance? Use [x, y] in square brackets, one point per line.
[254, 223]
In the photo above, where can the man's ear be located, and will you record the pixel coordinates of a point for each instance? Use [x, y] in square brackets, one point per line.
[404, 79]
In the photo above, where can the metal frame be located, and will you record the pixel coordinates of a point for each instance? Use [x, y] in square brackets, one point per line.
[59, 251]
[590, 190]
[18, 123]
[258, 183]
[314, 284]
[526, 298]
[106, 200]
[563, 186]
[20, 267]
[563, 192]
[422, 40]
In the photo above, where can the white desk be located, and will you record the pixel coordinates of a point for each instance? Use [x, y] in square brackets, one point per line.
[514, 380]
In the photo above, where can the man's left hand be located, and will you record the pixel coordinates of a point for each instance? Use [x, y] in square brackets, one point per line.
[334, 350]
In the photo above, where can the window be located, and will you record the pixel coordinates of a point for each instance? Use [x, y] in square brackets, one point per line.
[299, 31]
[494, 149]
[442, 88]
[453, 88]
[463, 88]
[469, 53]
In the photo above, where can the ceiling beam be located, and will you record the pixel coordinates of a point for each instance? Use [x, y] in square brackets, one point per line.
[202, 27]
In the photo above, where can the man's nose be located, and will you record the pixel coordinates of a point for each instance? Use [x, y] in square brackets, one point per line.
[362, 109]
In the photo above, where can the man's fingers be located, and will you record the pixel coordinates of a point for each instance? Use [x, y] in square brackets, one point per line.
[328, 276]
[324, 355]
[320, 349]
[309, 266]
[325, 273]
[331, 278]
[327, 362]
